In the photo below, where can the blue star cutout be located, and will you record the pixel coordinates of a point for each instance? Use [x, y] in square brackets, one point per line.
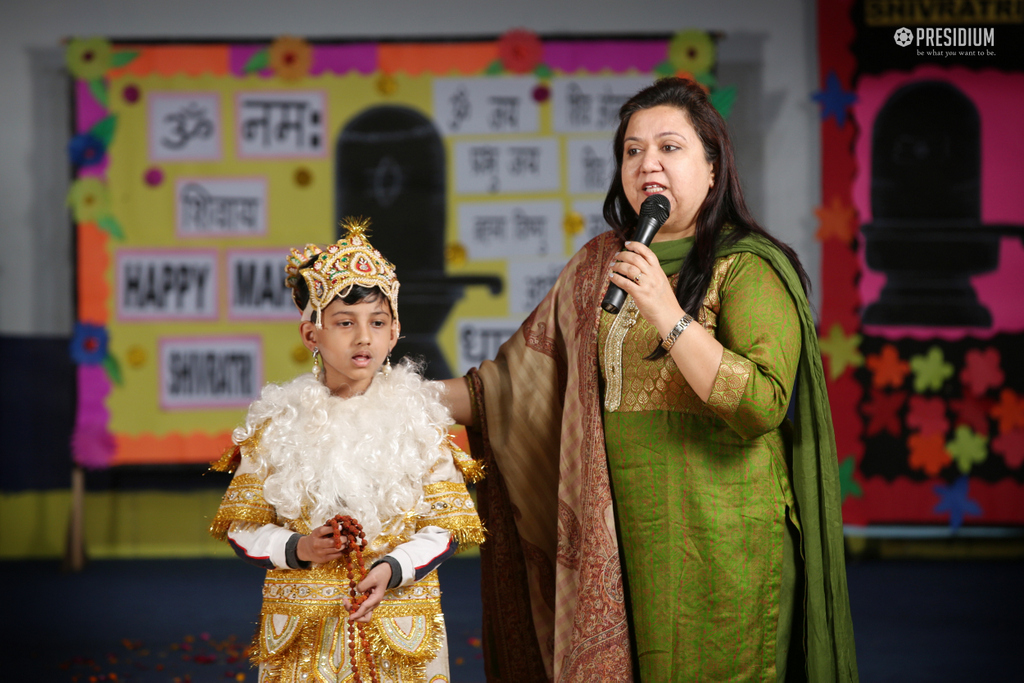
[834, 100]
[953, 499]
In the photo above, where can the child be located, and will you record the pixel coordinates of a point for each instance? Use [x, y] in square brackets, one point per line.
[358, 439]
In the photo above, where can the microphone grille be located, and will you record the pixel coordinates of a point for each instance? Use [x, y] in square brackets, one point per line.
[656, 206]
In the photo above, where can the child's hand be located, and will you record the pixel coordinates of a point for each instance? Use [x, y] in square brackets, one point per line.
[318, 546]
[373, 587]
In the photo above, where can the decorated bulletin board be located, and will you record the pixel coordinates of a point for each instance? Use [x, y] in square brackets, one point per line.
[921, 226]
[482, 165]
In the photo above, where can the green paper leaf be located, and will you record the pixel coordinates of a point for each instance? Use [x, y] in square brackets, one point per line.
[123, 57]
[723, 99]
[543, 71]
[665, 69]
[113, 369]
[258, 62]
[848, 486]
[98, 88]
[494, 68]
[707, 78]
[110, 225]
[104, 129]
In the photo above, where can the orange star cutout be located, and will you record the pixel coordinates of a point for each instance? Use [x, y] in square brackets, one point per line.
[888, 368]
[928, 453]
[837, 220]
[1009, 411]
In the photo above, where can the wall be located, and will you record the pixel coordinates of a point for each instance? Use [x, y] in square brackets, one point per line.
[36, 275]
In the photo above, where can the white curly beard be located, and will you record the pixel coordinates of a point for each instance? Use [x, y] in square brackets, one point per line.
[364, 456]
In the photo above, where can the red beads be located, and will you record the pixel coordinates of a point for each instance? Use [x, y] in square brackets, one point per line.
[352, 530]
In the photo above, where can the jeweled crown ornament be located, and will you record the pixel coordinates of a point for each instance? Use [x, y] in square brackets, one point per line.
[352, 260]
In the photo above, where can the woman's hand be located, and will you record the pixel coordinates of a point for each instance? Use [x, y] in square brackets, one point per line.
[639, 274]
[318, 546]
[373, 587]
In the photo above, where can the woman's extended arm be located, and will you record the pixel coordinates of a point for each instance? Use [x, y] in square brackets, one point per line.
[456, 397]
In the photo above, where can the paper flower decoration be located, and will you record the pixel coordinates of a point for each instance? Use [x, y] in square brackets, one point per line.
[953, 499]
[981, 371]
[928, 453]
[137, 356]
[290, 58]
[88, 58]
[927, 415]
[838, 221]
[834, 100]
[541, 93]
[887, 368]
[1010, 445]
[93, 446]
[972, 411]
[967, 448]
[573, 223]
[520, 51]
[883, 413]
[131, 93]
[86, 150]
[300, 354]
[692, 51]
[848, 486]
[930, 370]
[841, 351]
[153, 176]
[303, 177]
[89, 200]
[386, 84]
[89, 344]
[1009, 411]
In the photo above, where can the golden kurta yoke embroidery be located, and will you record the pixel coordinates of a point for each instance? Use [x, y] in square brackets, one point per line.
[658, 384]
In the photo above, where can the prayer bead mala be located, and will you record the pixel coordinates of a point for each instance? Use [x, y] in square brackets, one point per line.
[352, 530]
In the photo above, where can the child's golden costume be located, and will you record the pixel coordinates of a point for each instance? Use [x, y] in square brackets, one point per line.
[383, 457]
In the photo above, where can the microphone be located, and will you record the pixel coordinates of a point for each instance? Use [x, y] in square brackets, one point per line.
[653, 214]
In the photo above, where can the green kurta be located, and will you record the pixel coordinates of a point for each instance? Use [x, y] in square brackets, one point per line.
[702, 490]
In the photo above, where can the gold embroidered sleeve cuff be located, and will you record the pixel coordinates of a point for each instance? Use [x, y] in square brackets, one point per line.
[472, 470]
[242, 502]
[730, 384]
[453, 509]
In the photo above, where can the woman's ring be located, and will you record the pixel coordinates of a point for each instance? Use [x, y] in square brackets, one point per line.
[636, 278]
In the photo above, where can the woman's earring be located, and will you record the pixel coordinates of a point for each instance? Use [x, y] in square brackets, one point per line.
[387, 366]
[316, 363]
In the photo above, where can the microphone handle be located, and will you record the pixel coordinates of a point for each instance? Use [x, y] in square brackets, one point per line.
[645, 231]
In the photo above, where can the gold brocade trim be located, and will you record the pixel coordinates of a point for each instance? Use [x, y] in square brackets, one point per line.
[391, 646]
[623, 323]
[730, 383]
[315, 593]
[472, 470]
[232, 456]
[452, 509]
[643, 385]
[242, 502]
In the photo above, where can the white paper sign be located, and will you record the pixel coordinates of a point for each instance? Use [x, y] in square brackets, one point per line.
[485, 105]
[478, 339]
[530, 281]
[210, 372]
[256, 288]
[582, 105]
[166, 285]
[591, 166]
[280, 124]
[593, 222]
[220, 207]
[495, 230]
[502, 167]
[184, 126]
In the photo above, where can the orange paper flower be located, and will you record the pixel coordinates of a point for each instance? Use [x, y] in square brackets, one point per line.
[290, 58]
[887, 367]
[1009, 411]
[520, 51]
[838, 221]
[928, 453]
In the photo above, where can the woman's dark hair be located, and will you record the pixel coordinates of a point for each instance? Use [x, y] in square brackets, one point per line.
[723, 205]
[354, 295]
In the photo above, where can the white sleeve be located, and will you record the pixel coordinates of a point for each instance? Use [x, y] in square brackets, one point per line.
[264, 546]
[423, 553]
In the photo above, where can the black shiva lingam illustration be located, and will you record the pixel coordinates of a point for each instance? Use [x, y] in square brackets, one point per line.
[926, 234]
[390, 166]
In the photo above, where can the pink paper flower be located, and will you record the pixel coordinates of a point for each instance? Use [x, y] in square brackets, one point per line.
[981, 371]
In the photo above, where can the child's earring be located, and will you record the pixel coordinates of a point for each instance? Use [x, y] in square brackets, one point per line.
[316, 363]
[387, 365]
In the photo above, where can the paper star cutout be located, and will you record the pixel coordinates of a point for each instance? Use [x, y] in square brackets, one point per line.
[928, 452]
[834, 100]
[1009, 411]
[930, 371]
[888, 368]
[972, 411]
[884, 413]
[981, 371]
[927, 415]
[953, 499]
[848, 486]
[967, 448]
[841, 351]
[837, 220]
[1010, 445]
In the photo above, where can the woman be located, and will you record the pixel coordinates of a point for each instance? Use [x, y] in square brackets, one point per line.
[650, 504]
